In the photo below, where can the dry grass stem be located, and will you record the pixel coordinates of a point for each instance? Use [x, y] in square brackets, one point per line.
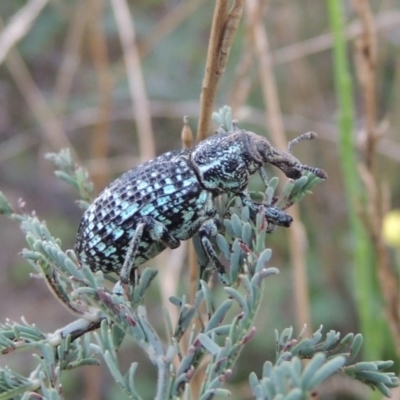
[228, 33]
[98, 46]
[266, 74]
[71, 57]
[383, 21]
[19, 26]
[224, 27]
[275, 121]
[243, 81]
[210, 80]
[140, 103]
[366, 59]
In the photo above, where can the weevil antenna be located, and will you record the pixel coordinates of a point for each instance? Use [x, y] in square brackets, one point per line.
[307, 135]
[316, 171]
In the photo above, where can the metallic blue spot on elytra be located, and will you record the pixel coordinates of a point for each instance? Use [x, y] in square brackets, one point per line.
[141, 185]
[109, 228]
[124, 205]
[147, 209]
[125, 214]
[169, 189]
[109, 250]
[101, 246]
[117, 233]
[162, 201]
[94, 240]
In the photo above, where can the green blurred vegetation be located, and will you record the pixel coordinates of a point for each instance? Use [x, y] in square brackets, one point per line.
[68, 65]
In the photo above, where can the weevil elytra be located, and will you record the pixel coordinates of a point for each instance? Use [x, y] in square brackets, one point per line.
[171, 197]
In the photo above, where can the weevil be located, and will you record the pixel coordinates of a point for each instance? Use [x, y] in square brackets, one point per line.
[171, 198]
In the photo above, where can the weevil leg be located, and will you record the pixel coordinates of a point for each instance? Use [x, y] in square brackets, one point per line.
[157, 232]
[274, 215]
[126, 269]
[208, 229]
[264, 176]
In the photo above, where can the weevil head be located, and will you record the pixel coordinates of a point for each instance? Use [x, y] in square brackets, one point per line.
[284, 160]
[225, 162]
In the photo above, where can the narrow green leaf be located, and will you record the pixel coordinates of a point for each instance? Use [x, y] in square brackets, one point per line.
[237, 226]
[245, 214]
[223, 245]
[263, 258]
[219, 315]
[247, 234]
[329, 368]
[355, 347]
[209, 344]
[374, 376]
[383, 389]
[310, 370]
[5, 206]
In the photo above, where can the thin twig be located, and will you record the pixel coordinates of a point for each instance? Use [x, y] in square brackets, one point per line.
[140, 103]
[223, 29]
[230, 27]
[297, 237]
[98, 45]
[366, 59]
[71, 57]
[210, 80]
[19, 26]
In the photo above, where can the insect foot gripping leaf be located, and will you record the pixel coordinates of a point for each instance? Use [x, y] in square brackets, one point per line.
[171, 198]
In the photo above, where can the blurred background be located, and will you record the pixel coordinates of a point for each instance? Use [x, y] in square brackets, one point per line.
[69, 77]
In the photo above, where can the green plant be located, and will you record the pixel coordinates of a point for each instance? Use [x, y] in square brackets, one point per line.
[216, 334]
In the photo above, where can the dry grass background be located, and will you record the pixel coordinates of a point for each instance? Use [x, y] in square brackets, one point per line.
[112, 80]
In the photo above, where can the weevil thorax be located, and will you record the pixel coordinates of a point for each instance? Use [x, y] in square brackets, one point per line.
[225, 161]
